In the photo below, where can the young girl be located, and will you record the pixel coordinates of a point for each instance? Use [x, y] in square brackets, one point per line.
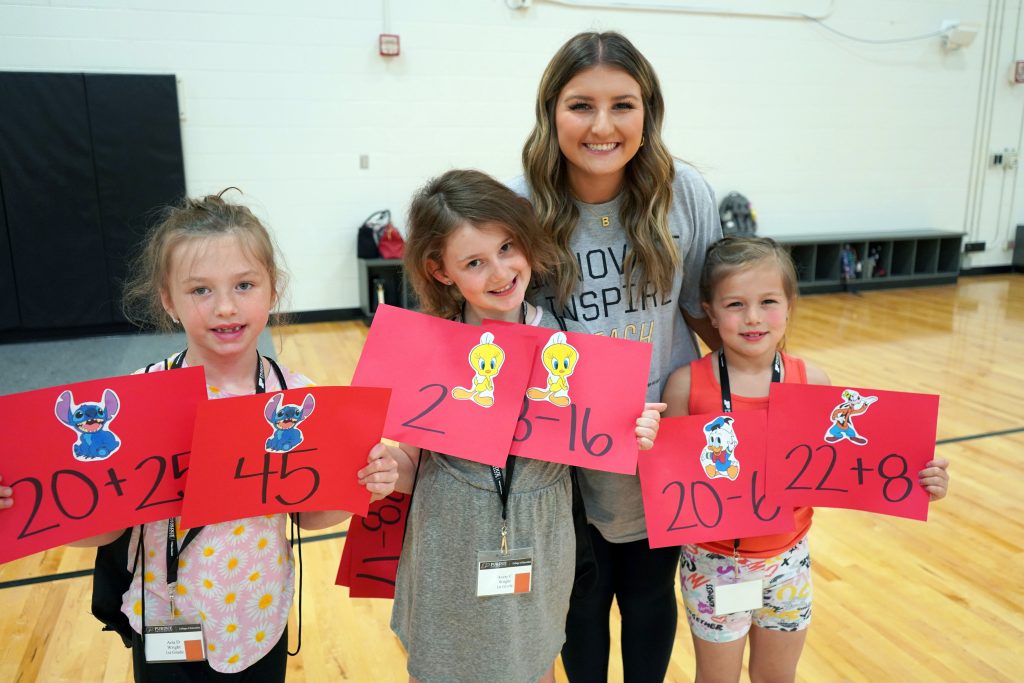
[472, 249]
[210, 267]
[748, 289]
[631, 225]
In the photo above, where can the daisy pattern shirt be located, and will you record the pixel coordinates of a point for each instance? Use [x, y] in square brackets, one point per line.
[235, 578]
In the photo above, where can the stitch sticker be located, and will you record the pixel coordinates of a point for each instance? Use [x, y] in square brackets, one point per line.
[842, 418]
[560, 359]
[90, 421]
[718, 458]
[285, 421]
[486, 359]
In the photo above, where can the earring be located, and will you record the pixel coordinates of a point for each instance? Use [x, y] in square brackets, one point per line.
[173, 319]
[448, 283]
[642, 140]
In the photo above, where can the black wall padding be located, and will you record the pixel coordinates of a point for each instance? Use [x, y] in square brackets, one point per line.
[136, 143]
[86, 161]
[9, 317]
[50, 199]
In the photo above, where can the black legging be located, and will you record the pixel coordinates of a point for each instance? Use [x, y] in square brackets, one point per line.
[643, 582]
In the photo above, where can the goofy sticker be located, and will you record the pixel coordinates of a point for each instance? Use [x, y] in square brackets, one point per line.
[842, 417]
[486, 359]
[560, 359]
[285, 420]
[90, 421]
[719, 457]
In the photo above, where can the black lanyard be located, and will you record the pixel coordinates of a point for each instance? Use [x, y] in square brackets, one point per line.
[502, 482]
[723, 378]
[503, 485]
[173, 549]
[723, 381]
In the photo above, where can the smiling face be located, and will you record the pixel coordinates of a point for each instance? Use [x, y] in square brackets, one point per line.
[89, 418]
[489, 270]
[560, 359]
[599, 118]
[750, 309]
[487, 359]
[221, 295]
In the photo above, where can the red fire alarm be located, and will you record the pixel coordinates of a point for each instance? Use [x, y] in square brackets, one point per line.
[389, 45]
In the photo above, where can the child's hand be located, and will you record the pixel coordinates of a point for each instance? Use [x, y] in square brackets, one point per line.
[934, 478]
[647, 425]
[380, 475]
[5, 496]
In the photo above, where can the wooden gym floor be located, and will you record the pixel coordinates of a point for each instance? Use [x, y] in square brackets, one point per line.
[895, 600]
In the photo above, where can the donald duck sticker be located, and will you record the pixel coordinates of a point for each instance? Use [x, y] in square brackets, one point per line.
[719, 457]
[486, 359]
[560, 359]
[842, 417]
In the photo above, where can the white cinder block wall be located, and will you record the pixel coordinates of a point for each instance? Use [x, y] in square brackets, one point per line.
[823, 133]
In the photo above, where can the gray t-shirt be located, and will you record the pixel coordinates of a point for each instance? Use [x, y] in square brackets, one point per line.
[614, 504]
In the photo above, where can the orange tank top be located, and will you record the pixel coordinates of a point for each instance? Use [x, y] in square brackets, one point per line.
[706, 397]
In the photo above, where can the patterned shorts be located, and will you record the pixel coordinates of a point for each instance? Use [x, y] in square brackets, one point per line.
[786, 579]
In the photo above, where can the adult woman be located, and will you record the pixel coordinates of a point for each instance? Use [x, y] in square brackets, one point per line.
[632, 225]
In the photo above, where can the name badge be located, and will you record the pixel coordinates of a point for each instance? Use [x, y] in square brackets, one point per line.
[175, 643]
[742, 596]
[504, 573]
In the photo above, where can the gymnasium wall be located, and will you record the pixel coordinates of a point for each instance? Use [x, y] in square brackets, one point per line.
[823, 133]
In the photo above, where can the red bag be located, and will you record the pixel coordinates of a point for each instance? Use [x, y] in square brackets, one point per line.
[390, 242]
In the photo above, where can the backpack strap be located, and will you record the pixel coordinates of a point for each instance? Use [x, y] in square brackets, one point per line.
[277, 371]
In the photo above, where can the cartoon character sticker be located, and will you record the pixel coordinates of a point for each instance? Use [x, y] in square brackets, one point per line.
[719, 456]
[842, 417]
[560, 359]
[285, 420]
[486, 359]
[91, 422]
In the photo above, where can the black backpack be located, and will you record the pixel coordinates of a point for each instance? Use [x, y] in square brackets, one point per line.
[737, 216]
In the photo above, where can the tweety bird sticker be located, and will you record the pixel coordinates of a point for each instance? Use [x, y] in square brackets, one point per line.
[560, 360]
[486, 359]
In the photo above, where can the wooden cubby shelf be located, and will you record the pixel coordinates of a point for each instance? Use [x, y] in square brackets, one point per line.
[908, 258]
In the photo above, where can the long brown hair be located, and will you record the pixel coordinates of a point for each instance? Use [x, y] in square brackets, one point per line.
[446, 203]
[647, 191]
[199, 218]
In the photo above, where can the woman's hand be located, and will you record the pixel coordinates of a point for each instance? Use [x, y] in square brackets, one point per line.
[647, 425]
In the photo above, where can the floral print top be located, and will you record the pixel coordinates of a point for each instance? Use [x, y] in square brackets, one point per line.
[235, 578]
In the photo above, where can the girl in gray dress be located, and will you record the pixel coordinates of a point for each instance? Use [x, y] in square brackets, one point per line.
[473, 246]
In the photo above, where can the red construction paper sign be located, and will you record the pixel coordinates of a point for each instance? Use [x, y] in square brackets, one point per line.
[456, 389]
[836, 446]
[704, 480]
[584, 396]
[369, 560]
[95, 456]
[284, 451]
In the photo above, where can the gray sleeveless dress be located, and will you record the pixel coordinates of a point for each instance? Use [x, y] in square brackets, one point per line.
[452, 635]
